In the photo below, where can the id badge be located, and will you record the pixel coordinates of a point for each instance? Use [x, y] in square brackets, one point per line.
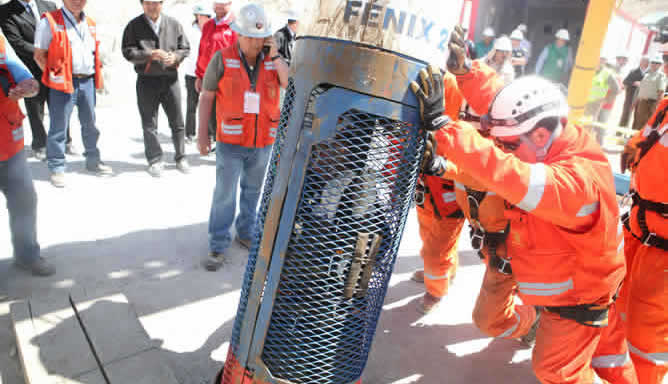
[252, 103]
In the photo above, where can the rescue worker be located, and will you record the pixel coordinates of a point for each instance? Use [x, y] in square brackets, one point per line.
[244, 83]
[646, 247]
[564, 241]
[16, 183]
[556, 60]
[440, 221]
[604, 90]
[485, 45]
[500, 58]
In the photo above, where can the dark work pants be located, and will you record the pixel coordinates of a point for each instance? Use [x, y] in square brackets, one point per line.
[35, 112]
[152, 92]
[628, 103]
[213, 122]
[191, 106]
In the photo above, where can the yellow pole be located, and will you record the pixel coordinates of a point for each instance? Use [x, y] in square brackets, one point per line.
[595, 28]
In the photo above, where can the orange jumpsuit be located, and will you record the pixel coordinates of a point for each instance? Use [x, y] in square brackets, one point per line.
[564, 242]
[646, 287]
[497, 312]
[439, 217]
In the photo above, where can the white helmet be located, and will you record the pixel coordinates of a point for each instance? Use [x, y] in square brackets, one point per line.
[292, 15]
[522, 28]
[656, 59]
[503, 43]
[519, 106]
[488, 32]
[252, 21]
[562, 34]
[517, 35]
[201, 9]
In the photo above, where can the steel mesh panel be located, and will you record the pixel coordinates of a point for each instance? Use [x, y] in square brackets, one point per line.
[288, 103]
[358, 182]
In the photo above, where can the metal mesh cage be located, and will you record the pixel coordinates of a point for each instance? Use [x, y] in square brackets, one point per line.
[288, 103]
[357, 190]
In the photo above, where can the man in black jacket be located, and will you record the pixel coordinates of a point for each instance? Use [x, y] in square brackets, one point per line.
[631, 84]
[156, 44]
[286, 36]
[18, 19]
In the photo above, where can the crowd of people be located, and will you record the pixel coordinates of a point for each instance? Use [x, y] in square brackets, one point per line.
[562, 270]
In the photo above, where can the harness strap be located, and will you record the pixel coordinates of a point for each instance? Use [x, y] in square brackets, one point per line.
[590, 315]
[653, 137]
[648, 238]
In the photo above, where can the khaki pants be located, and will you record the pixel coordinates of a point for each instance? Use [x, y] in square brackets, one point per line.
[643, 112]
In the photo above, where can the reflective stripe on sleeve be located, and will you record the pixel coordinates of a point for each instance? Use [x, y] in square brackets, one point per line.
[460, 186]
[658, 358]
[433, 277]
[537, 181]
[620, 247]
[545, 289]
[589, 209]
[610, 361]
[512, 329]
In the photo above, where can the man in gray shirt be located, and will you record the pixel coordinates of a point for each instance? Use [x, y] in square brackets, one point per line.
[66, 49]
[650, 90]
[156, 44]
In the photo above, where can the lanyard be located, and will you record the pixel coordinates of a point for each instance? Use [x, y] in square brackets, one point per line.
[252, 74]
[82, 35]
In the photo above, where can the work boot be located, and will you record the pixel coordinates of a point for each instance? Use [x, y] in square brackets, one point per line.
[155, 169]
[57, 179]
[39, 267]
[183, 166]
[214, 261]
[529, 340]
[100, 169]
[245, 243]
[428, 303]
[39, 154]
[418, 276]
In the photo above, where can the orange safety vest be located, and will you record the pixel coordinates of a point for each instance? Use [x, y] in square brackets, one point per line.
[565, 241]
[58, 72]
[11, 132]
[234, 125]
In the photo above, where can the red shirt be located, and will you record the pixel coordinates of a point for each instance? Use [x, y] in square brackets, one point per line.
[215, 37]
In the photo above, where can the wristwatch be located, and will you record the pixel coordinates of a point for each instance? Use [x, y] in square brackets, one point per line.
[273, 58]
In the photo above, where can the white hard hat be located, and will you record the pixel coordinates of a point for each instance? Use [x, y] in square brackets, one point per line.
[520, 105]
[222, 1]
[292, 15]
[522, 28]
[562, 34]
[503, 43]
[200, 9]
[488, 32]
[252, 21]
[656, 59]
[517, 35]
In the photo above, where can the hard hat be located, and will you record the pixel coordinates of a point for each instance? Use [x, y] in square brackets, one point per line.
[520, 105]
[522, 28]
[562, 34]
[222, 1]
[200, 9]
[656, 59]
[488, 32]
[252, 21]
[502, 43]
[517, 35]
[623, 55]
[292, 15]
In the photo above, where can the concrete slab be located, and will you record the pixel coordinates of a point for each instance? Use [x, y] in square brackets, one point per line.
[112, 327]
[147, 367]
[51, 345]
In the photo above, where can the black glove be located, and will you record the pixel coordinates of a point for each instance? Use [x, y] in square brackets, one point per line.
[431, 98]
[458, 62]
[432, 163]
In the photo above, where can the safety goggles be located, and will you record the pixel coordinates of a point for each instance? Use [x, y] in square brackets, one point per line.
[487, 122]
